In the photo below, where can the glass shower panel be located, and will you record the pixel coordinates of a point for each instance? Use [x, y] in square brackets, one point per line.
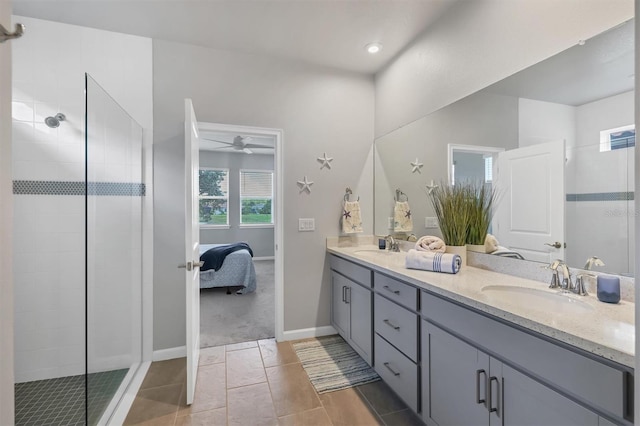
[114, 250]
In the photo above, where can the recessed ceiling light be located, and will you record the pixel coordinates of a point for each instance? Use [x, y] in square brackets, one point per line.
[373, 47]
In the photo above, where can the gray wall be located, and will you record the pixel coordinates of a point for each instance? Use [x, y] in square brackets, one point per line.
[477, 43]
[260, 239]
[319, 109]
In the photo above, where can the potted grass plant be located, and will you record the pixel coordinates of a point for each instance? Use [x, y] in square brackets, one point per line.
[482, 199]
[451, 206]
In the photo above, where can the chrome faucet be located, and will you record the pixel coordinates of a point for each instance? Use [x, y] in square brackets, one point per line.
[580, 288]
[566, 284]
[555, 279]
[392, 243]
[558, 266]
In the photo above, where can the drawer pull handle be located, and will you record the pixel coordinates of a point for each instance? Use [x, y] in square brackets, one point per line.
[395, 373]
[493, 409]
[390, 324]
[396, 292]
[478, 400]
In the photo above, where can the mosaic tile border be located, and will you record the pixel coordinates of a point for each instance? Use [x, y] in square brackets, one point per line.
[52, 187]
[602, 196]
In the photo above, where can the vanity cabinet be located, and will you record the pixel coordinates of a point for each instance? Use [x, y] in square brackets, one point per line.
[462, 385]
[351, 302]
[500, 375]
[456, 365]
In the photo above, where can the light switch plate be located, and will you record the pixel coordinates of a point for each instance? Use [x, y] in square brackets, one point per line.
[430, 222]
[306, 224]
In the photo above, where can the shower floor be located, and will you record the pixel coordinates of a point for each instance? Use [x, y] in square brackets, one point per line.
[61, 401]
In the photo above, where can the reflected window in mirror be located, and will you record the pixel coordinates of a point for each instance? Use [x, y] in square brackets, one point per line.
[618, 138]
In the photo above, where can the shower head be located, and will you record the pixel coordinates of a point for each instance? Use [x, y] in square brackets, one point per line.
[54, 121]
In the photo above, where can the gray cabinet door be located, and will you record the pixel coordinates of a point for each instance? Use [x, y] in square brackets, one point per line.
[528, 402]
[454, 388]
[359, 298]
[339, 306]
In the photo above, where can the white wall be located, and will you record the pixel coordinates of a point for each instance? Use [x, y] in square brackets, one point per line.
[319, 109]
[592, 171]
[261, 239]
[477, 43]
[540, 122]
[49, 65]
[6, 215]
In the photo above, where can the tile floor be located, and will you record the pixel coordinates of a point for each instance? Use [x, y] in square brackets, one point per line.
[258, 383]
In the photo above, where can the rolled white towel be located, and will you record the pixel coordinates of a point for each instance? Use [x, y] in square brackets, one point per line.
[431, 243]
[490, 244]
[431, 261]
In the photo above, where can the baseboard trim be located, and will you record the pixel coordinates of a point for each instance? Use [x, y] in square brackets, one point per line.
[265, 258]
[170, 353]
[305, 333]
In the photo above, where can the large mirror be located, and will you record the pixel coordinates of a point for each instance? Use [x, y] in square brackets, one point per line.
[556, 140]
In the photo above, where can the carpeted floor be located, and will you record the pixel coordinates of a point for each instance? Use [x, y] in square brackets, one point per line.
[234, 318]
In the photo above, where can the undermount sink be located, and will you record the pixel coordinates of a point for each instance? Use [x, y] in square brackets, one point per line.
[538, 299]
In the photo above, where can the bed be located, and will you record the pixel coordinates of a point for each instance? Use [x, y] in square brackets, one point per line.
[237, 270]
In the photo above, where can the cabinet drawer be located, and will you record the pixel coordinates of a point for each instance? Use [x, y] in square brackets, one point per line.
[398, 325]
[398, 371]
[397, 291]
[355, 272]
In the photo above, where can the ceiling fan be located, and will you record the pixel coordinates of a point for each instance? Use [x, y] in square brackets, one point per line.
[240, 143]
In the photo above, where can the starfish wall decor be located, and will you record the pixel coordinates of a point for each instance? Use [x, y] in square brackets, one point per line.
[417, 165]
[305, 185]
[326, 161]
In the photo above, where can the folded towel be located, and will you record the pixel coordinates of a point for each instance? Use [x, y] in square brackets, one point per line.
[506, 252]
[431, 243]
[490, 244]
[430, 261]
[402, 221]
[351, 218]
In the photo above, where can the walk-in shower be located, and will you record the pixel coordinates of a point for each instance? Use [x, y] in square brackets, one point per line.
[78, 257]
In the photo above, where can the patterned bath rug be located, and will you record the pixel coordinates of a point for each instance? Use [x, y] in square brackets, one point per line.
[332, 365]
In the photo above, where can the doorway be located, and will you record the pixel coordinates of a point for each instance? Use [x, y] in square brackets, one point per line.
[240, 202]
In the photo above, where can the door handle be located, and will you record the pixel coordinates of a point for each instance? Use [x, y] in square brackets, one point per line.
[478, 400]
[557, 244]
[493, 409]
[190, 265]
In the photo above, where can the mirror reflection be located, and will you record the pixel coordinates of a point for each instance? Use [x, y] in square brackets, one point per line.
[557, 140]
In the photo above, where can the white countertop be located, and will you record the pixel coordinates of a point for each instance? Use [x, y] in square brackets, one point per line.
[606, 330]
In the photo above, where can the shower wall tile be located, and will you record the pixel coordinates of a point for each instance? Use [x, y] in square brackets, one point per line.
[49, 230]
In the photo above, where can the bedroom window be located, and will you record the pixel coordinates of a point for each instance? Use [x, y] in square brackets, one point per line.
[256, 195]
[214, 197]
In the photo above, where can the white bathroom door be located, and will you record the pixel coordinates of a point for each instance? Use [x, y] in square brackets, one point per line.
[192, 246]
[530, 215]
